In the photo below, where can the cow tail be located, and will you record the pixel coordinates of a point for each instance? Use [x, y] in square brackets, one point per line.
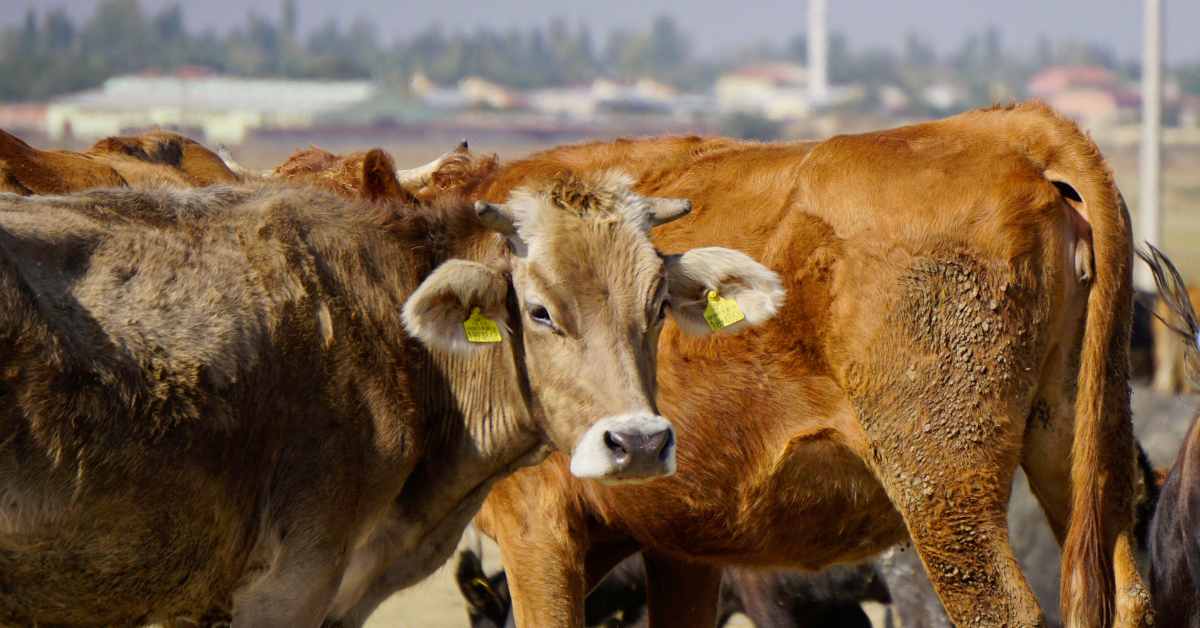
[1102, 453]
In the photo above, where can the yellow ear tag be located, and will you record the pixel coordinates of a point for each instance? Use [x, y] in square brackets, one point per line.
[721, 312]
[481, 329]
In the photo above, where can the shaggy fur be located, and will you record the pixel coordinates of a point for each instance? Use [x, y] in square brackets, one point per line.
[936, 300]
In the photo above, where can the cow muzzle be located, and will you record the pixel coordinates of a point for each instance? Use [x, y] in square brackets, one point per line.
[625, 448]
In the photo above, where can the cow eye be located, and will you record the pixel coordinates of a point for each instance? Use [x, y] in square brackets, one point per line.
[541, 316]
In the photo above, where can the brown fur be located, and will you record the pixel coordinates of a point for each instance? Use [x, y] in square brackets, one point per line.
[243, 348]
[458, 176]
[150, 160]
[936, 301]
[26, 170]
[195, 164]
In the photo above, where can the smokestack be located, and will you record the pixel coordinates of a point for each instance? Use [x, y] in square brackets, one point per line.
[1150, 159]
[818, 46]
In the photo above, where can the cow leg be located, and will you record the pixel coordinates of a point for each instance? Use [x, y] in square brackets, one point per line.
[544, 559]
[953, 493]
[680, 593]
[941, 387]
[1047, 464]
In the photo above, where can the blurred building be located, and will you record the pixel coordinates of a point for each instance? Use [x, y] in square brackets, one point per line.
[1094, 96]
[23, 117]
[223, 108]
[778, 91]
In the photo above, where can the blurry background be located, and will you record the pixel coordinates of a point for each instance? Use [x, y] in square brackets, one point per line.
[267, 78]
[413, 77]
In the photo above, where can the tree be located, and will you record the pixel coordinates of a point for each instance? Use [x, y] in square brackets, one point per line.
[669, 47]
[797, 48]
[993, 47]
[918, 52]
[168, 25]
[60, 31]
[290, 18]
[1044, 55]
[29, 35]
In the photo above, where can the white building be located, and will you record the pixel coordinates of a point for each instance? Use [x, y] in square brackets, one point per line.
[778, 91]
[224, 108]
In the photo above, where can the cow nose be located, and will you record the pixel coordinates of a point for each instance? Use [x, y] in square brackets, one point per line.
[625, 448]
[631, 448]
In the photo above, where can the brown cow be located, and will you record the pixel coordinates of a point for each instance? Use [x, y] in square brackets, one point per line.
[1174, 535]
[455, 174]
[152, 159]
[222, 394]
[175, 158]
[26, 170]
[948, 320]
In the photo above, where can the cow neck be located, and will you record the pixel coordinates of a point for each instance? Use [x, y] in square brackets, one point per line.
[478, 403]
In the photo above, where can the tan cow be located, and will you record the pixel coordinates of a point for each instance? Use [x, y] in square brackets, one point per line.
[959, 304]
[265, 395]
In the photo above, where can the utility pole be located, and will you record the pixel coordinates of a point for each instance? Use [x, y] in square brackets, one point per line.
[1150, 159]
[818, 47]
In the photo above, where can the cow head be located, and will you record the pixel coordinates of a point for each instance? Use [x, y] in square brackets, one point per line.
[591, 295]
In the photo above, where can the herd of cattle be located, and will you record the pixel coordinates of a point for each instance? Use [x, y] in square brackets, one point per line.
[650, 369]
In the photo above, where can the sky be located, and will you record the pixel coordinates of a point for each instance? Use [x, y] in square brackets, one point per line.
[722, 25]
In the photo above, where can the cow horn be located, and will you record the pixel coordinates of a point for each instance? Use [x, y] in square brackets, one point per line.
[496, 217]
[664, 210]
[419, 176]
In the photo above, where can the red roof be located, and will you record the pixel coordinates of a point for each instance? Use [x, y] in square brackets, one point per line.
[1059, 77]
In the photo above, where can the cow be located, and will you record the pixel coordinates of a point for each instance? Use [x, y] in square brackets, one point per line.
[959, 304]
[454, 174]
[267, 397]
[152, 159]
[788, 599]
[175, 157]
[1174, 536]
[1170, 375]
[26, 170]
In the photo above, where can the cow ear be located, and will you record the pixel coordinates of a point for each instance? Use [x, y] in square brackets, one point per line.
[459, 307]
[718, 289]
[379, 176]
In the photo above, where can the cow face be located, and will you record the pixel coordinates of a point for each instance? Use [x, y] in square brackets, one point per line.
[592, 294]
